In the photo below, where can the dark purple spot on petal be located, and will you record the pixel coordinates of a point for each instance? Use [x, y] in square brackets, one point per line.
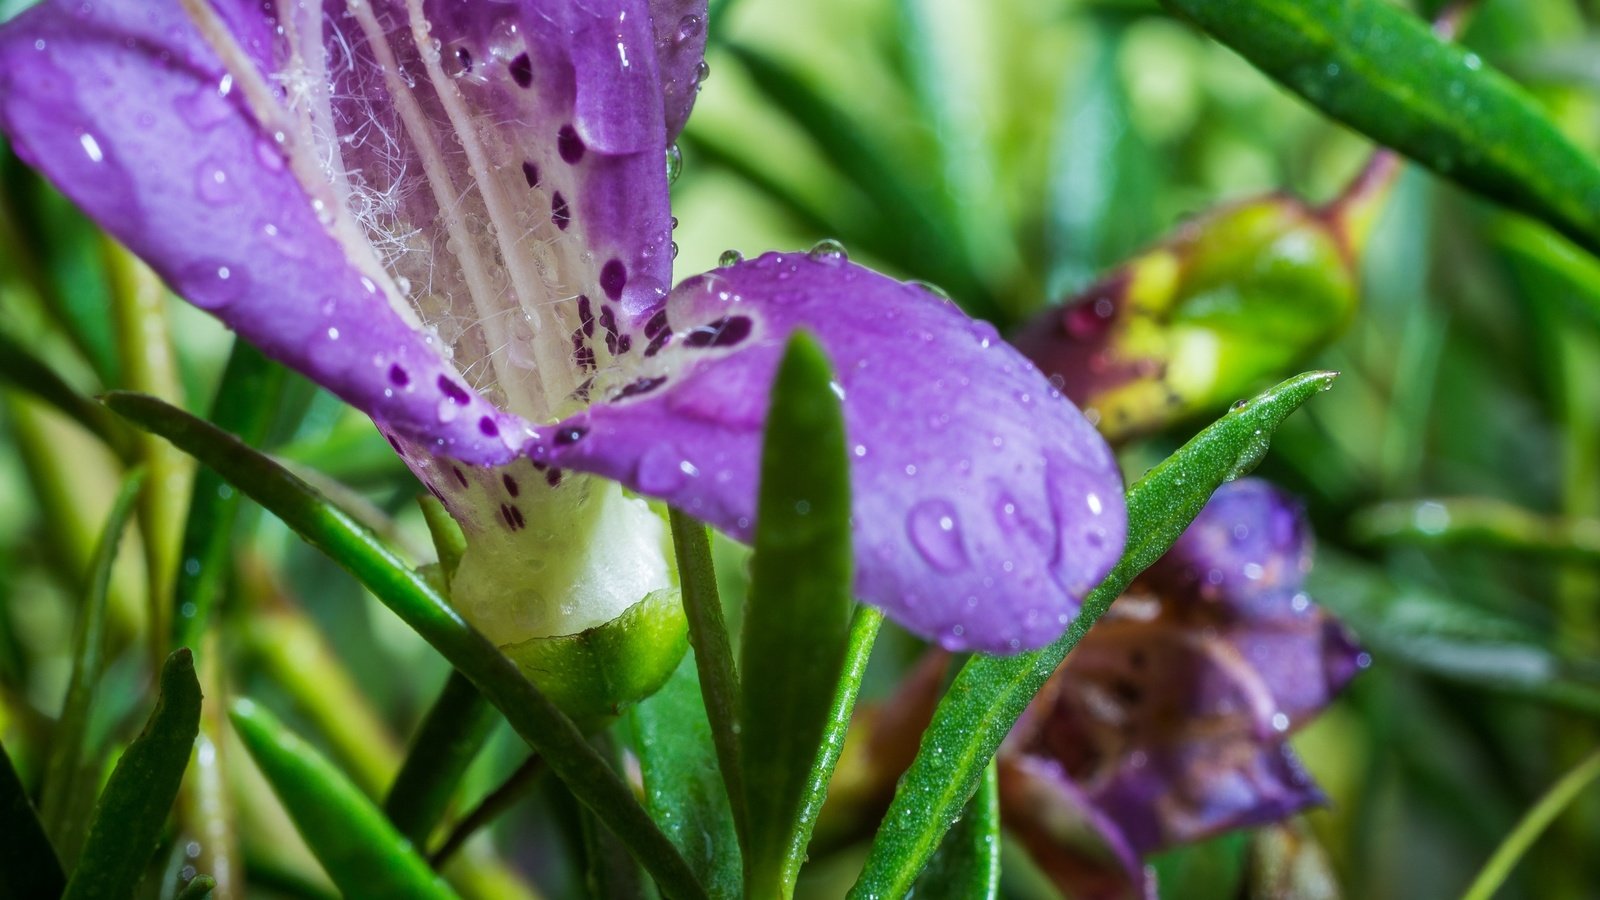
[582, 353]
[624, 343]
[457, 395]
[398, 376]
[569, 145]
[570, 435]
[559, 213]
[488, 427]
[521, 70]
[513, 517]
[640, 386]
[395, 444]
[464, 58]
[613, 278]
[585, 315]
[655, 323]
[608, 321]
[511, 485]
[657, 343]
[531, 173]
[724, 332]
[461, 477]
[552, 477]
[539, 466]
[434, 491]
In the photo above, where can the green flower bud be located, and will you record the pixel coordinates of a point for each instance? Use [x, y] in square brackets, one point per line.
[1234, 298]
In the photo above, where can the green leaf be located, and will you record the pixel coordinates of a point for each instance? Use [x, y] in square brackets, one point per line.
[717, 682]
[1406, 624]
[358, 848]
[132, 812]
[451, 734]
[990, 692]
[30, 863]
[22, 368]
[198, 888]
[70, 773]
[916, 233]
[797, 618]
[409, 595]
[1560, 796]
[1479, 522]
[967, 864]
[679, 761]
[1377, 68]
[245, 404]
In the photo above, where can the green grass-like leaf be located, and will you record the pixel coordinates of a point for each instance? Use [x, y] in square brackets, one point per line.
[132, 812]
[359, 849]
[682, 788]
[967, 864]
[797, 618]
[408, 594]
[990, 692]
[69, 775]
[1377, 68]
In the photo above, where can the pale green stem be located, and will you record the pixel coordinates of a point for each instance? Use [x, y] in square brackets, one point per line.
[1534, 822]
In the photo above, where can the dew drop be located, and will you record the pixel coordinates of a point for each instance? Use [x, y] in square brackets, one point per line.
[934, 529]
[730, 258]
[674, 161]
[828, 250]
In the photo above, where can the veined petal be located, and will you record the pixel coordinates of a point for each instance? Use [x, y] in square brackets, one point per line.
[135, 118]
[1081, 849]
[985, 505]
[1172, 715]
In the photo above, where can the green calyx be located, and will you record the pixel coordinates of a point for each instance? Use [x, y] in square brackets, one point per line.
[598, 672]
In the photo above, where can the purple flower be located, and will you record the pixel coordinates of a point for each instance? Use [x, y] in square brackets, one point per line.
[1169, 722]
[454, 216]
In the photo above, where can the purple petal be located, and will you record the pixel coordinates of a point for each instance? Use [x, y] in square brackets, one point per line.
[1197, 790]
[132, 115]
[985, 505]
[680, 27]
[1079, 847]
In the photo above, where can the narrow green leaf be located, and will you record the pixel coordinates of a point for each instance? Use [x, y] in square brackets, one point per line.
[990, 692]
[23, 369]
[717, 683]
[451, 734]
[1377, 68]
[1550, 806]
[132, 812]
[68, 789]
[26, 857]
[797, 618]
[916, 232]
[245, 404]
[679, 761]
[358, 848]
[1479, 522]
[967, 864]
[1406, 624]
[408, 594]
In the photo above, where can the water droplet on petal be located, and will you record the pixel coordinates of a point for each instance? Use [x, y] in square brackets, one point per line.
[828, 250]
[934, 529]
[730, 258]
[674, 162]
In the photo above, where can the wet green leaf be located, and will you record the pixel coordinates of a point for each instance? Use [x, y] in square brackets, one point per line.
[132, 812]
[22, 368]
[413, 599]
[990, 692]
[967, 864]
[1377, 68]
[357, 846]
[797, 618]
[449, 738]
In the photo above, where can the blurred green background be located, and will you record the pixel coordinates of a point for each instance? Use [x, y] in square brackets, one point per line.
[1007, 151]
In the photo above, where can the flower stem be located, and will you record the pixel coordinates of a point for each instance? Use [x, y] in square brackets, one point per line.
[450, 737]
[1534, 822]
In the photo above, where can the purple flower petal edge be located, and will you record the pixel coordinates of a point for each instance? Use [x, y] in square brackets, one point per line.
[985, 505]
[129, 112]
